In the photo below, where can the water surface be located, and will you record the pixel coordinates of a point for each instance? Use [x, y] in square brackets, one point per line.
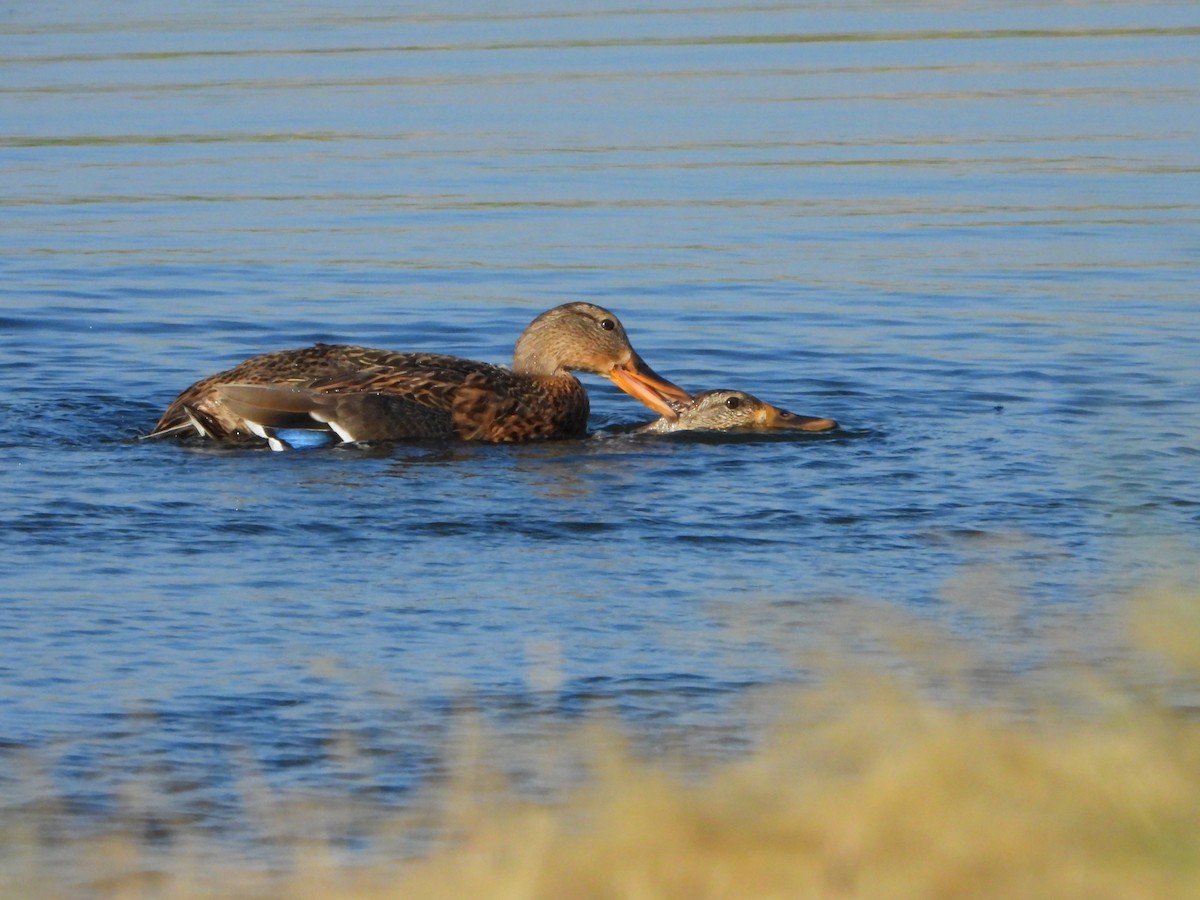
[967, 232]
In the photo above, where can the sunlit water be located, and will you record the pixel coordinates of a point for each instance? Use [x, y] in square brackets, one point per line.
[969, 232]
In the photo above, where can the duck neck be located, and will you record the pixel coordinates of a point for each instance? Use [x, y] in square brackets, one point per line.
[530, 358]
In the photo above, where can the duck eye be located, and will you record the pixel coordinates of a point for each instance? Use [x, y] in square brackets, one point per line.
[733, 402]
[608, 324]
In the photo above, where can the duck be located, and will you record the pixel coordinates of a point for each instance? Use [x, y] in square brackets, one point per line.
[726, 410]
[331, 393]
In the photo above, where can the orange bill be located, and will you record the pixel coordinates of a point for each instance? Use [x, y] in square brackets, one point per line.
[639, 380]
[777, 419]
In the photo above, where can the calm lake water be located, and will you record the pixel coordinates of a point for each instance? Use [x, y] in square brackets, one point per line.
[969, 232]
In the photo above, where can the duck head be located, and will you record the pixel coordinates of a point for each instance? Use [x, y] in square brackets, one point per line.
[582, 337]
[739, 411]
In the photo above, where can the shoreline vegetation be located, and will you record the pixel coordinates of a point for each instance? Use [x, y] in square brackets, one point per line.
[875, 782]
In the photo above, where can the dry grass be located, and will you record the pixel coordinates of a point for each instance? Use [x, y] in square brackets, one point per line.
[869, 789]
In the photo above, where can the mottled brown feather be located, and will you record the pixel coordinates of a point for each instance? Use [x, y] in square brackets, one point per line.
[367, 394]
[383, 395]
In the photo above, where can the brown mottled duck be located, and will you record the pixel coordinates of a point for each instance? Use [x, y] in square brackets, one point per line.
[733, 411]
[328, 392]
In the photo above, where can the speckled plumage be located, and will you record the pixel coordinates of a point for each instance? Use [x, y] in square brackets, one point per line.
[364, 394]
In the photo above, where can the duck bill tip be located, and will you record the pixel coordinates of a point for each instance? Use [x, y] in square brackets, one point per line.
[779, 420]
[640, 381]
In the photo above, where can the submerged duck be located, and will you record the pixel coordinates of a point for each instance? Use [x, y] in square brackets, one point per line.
[734, 411]
[328, 392]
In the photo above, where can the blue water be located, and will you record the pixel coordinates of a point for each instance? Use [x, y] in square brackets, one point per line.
[971, 234]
